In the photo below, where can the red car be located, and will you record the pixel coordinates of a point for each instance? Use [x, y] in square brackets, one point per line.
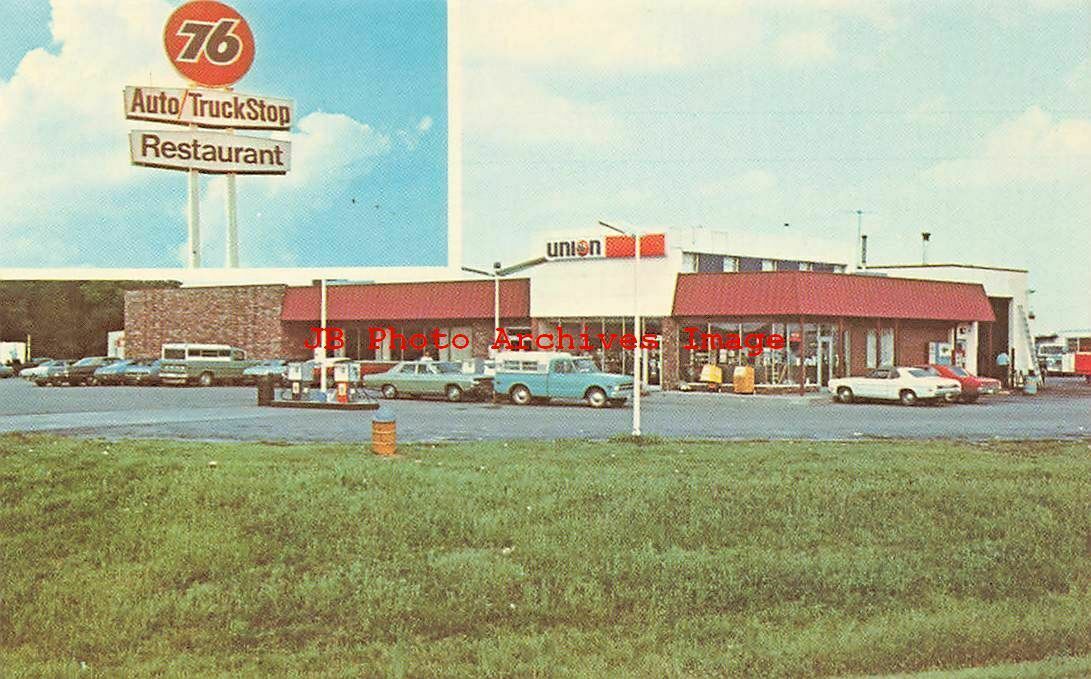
[972, 385]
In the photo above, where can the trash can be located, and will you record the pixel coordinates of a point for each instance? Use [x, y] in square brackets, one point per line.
[1030, 385]
[266, 390]
[743, 379]
[384, 432]
[711, 374]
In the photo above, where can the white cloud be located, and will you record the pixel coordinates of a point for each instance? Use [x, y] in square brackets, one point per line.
[502, 106]
[329, 151]
[61, 123]
[607, 35]
[425, 124]
[804, 48]
[1031, 148]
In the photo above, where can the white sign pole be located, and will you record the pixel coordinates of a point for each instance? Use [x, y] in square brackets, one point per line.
[194, 221]
[232, 261]
[193, 216]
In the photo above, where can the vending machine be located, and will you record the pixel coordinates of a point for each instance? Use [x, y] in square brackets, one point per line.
[939, 353]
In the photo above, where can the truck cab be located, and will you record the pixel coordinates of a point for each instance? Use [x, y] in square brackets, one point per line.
[531, 376]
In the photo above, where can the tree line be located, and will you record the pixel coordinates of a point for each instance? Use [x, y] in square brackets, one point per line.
[65, 319]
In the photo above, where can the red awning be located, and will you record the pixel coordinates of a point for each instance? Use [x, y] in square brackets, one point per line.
[408, 301]
[812, 293]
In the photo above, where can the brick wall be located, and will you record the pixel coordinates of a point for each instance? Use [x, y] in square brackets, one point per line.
[245, 316]
[912, 338]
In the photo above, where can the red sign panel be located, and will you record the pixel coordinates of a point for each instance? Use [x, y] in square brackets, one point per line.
[651, 245]
[209, 43]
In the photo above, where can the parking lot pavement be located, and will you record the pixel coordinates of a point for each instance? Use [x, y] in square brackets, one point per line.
[231, 413]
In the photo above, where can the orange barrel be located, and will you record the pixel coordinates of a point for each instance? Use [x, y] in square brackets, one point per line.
[743, 379]
[384, 433]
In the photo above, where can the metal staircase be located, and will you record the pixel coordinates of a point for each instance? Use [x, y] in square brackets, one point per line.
[1028, 337]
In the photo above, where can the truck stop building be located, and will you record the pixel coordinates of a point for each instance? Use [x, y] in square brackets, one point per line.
[835, 323]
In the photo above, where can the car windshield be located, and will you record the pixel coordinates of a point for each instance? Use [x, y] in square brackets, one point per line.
[585, 365]
[959, 371]
[929, 369]
[447, 368]
[85, 361]
[919, 372]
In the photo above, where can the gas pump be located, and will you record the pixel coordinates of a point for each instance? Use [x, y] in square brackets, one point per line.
[345, 373]
[295, 377]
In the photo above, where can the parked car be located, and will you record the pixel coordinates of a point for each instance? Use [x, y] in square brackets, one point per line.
[53, 373]
[111, 373]
[39, 370]
[429, 378]
[6, 371]
[544, 375]
[142, 372]
[277, 367]
[82, 372]
[908, 385]
[973, 387]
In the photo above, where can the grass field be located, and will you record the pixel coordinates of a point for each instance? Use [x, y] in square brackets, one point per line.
[544, 559]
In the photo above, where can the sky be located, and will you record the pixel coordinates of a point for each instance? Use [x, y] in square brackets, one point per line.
[970, 119]
[369, 146]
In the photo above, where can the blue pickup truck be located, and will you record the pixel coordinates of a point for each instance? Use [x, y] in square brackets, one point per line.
[543, 375]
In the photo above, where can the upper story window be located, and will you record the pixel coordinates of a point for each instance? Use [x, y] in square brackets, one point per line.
[710, 263]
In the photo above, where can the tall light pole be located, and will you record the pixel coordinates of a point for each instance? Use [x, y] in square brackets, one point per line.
[496, 296]
[497, 272]
[320, 350]
[637, 350]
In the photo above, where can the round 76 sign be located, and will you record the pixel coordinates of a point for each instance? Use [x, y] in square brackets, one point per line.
[209, 43]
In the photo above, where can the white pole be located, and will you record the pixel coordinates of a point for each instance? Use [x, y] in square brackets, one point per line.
[636, 329]
[320, 350]
[496, 303]
[194, 223]
[232, 256]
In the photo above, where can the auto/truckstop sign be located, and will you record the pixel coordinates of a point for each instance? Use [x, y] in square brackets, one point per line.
[211, 45]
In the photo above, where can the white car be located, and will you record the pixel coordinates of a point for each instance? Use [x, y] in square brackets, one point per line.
[39, 371]
[907, 385]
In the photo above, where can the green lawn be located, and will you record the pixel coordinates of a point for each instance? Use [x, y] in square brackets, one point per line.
[544, 559]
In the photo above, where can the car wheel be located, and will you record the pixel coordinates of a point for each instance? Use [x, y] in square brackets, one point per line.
[205, 380]
[907, 397]
[389, 391]
[520, 395]
[454, 393]
[844, 395]
[596, 397]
